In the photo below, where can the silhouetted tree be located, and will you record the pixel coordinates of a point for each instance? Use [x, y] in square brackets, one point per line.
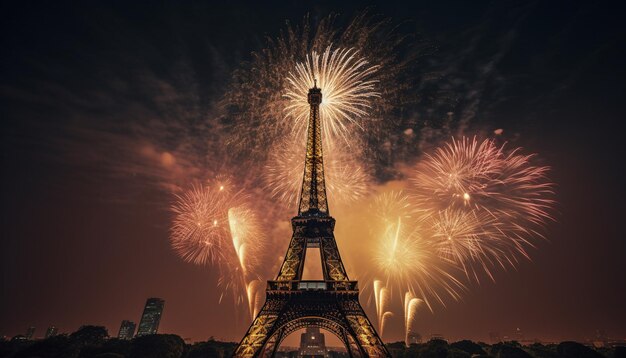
[89, 336]
[620, 352]
[538, 350]
[576, 350]
[157, 345]
[438, 348]
[53, 347]
[397, 349]
[469, 347]
[109, 355]
[508, 350]
[114, 346]
[224, 349]
[118, 346]
[203, 350]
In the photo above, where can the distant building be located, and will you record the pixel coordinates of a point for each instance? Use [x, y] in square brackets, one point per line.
[312, 344]
[495, 337]
[437, 336]
[51, 332]
[30, 332]
[413, 338]
[127, 330]
[519, 335]
[151, 316]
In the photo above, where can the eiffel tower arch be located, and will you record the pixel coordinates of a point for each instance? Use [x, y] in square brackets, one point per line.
[292, 303]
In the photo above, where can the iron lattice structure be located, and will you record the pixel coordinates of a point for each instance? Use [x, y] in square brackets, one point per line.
[292, 303]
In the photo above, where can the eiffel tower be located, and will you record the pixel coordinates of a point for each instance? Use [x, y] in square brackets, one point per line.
[292, 303]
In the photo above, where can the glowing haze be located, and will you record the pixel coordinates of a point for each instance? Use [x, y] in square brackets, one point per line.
[111, 130]
[467, 207]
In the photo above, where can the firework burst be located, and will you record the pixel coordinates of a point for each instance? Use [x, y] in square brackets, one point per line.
[347, 86]
[382, 300]
[199, 228]
[406, 260]
[409, 261]
[484, 205]
[214, 226]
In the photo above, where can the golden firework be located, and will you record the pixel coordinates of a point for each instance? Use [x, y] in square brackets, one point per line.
[348, 88]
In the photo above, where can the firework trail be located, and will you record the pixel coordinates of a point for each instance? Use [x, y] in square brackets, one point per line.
[381, 295]
[377, 287]
[347, 86]
[253, 288]
[383, 321]
[411, 304]
[245, 232]
[484, 205]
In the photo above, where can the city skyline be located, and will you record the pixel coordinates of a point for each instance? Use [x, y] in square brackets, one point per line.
[115, 112]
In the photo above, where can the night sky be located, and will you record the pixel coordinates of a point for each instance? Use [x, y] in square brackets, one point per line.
[85, 226]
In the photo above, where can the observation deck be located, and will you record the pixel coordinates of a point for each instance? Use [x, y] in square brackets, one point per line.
[312, 285]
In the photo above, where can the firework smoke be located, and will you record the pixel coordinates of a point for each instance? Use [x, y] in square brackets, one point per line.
[253, 289]
[346, 180]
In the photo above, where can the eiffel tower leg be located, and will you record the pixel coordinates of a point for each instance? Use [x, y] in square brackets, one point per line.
[262, 329]
[277, 338]
[355, 348]
[347, 342]
[363, 332]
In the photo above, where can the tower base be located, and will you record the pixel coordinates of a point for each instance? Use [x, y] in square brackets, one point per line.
[293, 305]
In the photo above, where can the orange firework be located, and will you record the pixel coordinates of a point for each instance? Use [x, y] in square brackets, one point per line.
[200, 226]
[482, 204]
[214, 226]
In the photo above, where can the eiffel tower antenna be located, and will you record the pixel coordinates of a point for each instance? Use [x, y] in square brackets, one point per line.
[292, 303]
[313, 196]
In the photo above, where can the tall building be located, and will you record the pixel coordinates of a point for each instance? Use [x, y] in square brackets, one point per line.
[151, 316]
[51, 331]
[30, 332]
[127, 330]
[312, 344]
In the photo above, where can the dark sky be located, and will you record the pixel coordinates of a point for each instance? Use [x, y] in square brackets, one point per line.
[82, 243]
